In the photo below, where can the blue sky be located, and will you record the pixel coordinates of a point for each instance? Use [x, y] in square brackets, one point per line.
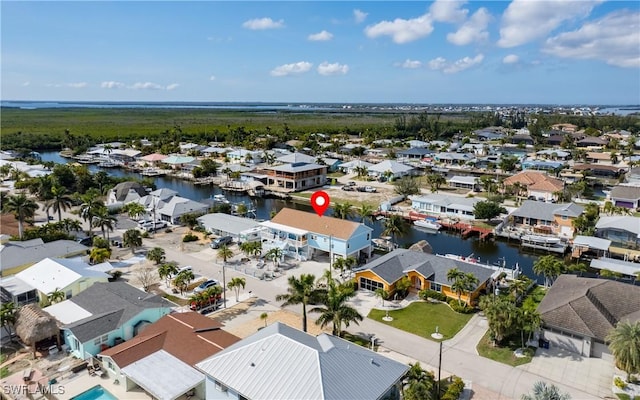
[520, 51]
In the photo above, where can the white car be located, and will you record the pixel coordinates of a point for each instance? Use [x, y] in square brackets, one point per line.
[154, 226]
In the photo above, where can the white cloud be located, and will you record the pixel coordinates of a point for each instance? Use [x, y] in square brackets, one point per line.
[456, 66]
[212, 78]
[613, 39]
[359, 15]
[320, 36]
[172, 86]
[402, 30]
[473, 30]
[292, 69]
[511, 59]
[448, 11]
[77, 85]
[262, 23]
[112, 85]
[525, 20]
[332, 69]
[27, 83]
[410, 64]
[146, 86]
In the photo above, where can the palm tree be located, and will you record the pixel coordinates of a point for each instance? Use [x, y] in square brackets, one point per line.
[462, 282]
[157, 255]
[550, 267]
[235, 284]
[518, 288]
[212, 293]
[335, 308]
[183, 279]
[366, 213]
[225, 253]
[134, 210]
[60, 200]
[303, 291]
[343, 210]
[99, 254]
[251, 248]
[382, 294]
[166, 271]
[395, 226]
[56, 296]
[419, 383]
[132, 238]
[542, 391]
[22, 207]
[89, 207]
[8, 316]
[274, 254]
[624, 342]
[103, 220]
[71, 225]
[501, 315]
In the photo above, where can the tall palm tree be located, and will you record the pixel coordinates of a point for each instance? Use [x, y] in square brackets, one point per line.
[89, 207]
[22, 208]
[366, 213]
[134, 210]
[550, 267]
[335, 308]
[8, 316]
[72, 225]
[462, 282]
[542, 391]
[274, 254]
[225, 253]
[302, 290]
[236, 284]
[395, 226]
[132, 238]
[343, 210]
[103, 220]
[166, 271]
[624, 342]
[60, 200]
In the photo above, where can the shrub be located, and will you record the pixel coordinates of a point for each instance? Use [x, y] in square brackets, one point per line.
[115, 275]
[168, 230]
[145, 235]
[620, 383]
[454, 390]
[460, 308]
[427, 293]
[190, 237]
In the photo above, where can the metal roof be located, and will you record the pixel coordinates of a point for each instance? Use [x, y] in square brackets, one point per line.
[592, 242]
[280, 362]
[227, 223]
[58, 273]
[611, 264]
[625, 223]
[296, 167]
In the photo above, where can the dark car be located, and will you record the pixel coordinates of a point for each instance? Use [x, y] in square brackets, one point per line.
[221, 241]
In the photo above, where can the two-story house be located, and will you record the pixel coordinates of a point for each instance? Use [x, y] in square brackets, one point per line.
[547, 218]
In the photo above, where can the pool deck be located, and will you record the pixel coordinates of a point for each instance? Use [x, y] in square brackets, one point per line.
[83, 381]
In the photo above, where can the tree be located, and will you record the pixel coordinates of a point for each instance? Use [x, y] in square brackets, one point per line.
[518, 288]
[343, 210]
[99, 254]
[395, 226]
[264, 317]
[542, 391]
[274, 254]
[550, 267]
[302, 290]
[366, 213]
[507, 164]
[406, 186]
[419, 383]
[501, 315]
[22, 207]
[335, 308]
[224, 253]
[60, 200]
[251, 248]
[134, 210]
[462, 282]
[403, 285]
[157, 255]
[528, 321]
[56, 296]
[236, 284]
[435, 181]
[145, 277]
[624, 342]
[166, 271]
[190, 220]
[132, 238]
[8, 316]
[382, 294]
[89, 208]
[487, 209]
[103, 220]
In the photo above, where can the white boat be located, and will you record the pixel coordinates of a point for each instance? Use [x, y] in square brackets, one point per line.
[541, 240]
[427, 224]
[219, 198]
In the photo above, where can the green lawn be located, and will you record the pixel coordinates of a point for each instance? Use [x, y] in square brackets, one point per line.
[422, 318]
[504, 353]
[357, 340]
[624, 396]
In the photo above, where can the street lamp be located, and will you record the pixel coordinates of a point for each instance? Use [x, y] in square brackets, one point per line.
[438, 336]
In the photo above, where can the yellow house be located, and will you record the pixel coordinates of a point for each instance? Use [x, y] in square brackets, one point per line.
[426, 271]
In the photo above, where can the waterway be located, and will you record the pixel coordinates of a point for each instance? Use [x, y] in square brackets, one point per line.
[442, 242]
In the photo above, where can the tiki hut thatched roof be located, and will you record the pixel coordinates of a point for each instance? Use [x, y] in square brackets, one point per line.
[422, 246]
[33, 324]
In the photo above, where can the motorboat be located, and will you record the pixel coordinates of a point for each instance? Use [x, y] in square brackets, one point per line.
[541, 240]
[427, 223]
[219, 198]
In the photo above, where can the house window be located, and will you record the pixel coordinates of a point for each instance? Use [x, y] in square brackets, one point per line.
[100, 340]
[369, 284]
[564, 218]
[110, 366]
[314, 237]
[435, 286]
[368, 236]
[220, 387]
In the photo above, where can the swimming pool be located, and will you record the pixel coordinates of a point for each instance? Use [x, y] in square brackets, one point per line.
[95, 393]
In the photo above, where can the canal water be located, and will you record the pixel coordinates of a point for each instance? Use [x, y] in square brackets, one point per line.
[489, 251]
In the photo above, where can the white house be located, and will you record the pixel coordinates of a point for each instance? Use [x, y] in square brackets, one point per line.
[445, 206]
[392, 168]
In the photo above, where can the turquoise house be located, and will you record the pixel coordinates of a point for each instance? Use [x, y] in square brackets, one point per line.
[105, 315]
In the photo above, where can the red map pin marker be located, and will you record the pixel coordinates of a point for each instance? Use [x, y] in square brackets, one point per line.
[320, 202]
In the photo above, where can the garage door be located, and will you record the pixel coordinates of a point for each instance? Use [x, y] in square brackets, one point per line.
[574, 345]
[601, 350]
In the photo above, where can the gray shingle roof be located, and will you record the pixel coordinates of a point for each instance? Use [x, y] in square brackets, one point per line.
[14, 254]
[589, 306]
[111, 305]
[625, 193]
[280, 362]
[546, 211]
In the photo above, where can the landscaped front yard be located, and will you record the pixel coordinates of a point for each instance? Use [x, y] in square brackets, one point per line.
[422, 318]
[505, 352]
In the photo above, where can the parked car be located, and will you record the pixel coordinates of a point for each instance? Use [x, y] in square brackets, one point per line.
[186, 268]
[369, 189]
[221, 241]
[154, 226]
[205, 285]
[351, 183]
[347, 188]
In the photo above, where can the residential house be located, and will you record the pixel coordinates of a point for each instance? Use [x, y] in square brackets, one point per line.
[125, 192]
[625, 196]
[593, 142]
[623, 231]
[599, 170]
[538, 184]
[280, 362]
[190, 148]
[547, 218]
[304, 235]
[542, 165]
[162, 358]
[524, 139]
[105, 315]
[633, 176]
[296, 158]
[244, 156]
[554, 154]
[463, 182]
[454, 158]
[417, 143]
[413, 154]
[241, 229]
[351, 167]
[444, 206]
[16, 291]
[426, 271]
[478, 149]
[71, 276]
[296, 176]
[570, 128]
[578, 313]
[18, 255]
[595, 157]
[488, 135]
[166, 205]
[390, 169]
